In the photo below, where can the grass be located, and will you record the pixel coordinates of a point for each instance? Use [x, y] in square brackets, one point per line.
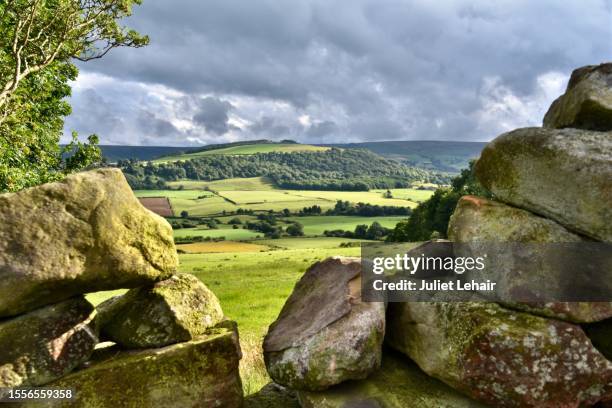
[245, 149]
[221, 247]
[223, 231]
[205, 203]
[251, 183]
[306, 243]
[316, 225]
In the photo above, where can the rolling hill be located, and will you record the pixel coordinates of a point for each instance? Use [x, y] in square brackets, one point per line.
[436, 155]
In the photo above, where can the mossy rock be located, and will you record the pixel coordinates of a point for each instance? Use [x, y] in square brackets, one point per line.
[47, 343]
[480, 226]
[171, 311]
[561, 174]
[343, 335]
[587, 101]
[84, 234]
[398, 384]
[501, 357]
[199, 373]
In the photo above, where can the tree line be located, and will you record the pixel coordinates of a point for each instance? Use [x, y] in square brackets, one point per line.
[334, 169]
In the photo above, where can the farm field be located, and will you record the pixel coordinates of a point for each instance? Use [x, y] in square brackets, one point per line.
[226, 231]
[245, 149]
[159, 205]
[205, 203]
[309, 243]
[250, 183]
[221, 247]
[316, 225]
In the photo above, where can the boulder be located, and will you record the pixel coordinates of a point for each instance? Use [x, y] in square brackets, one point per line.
[200, 373]
[398, 384]
[324, 334]
[171, 311]
[501, 357]
[587, 101]
[478, 224]
[84, 234]
[561, 174]
[47, 343]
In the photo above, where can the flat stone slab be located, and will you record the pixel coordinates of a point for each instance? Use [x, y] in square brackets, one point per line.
[199, 373]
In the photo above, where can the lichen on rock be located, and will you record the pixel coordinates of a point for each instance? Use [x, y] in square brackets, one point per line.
[171, 311]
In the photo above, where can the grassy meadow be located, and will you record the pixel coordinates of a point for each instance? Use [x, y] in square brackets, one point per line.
[203, 199]
[245, 149]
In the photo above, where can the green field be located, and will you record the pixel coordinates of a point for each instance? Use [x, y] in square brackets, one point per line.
[308, 243]
[205, 203]
[314, 225]
[245, 149]
[251, 183]
[223, 231]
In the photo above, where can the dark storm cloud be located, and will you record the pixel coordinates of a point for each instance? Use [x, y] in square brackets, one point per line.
[213, 114]
[391, 69]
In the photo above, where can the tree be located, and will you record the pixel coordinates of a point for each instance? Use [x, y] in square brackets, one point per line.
[38, 39]
[388, 194]
[430, 218]
[184, 214]
[295, 229]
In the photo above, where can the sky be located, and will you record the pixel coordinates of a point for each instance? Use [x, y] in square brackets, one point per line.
[330, 71]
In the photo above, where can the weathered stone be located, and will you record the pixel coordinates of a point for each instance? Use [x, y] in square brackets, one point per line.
[398, 384]
[47, 343]
[478, 223]
[272, 395]
[500, 357]
[324, 334]
[199, 373]
[562, 174]
[84, 234]
[587, 101]
[171, 311]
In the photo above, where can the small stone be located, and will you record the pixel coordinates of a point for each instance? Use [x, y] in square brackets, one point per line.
[47, 343]
[171, 311]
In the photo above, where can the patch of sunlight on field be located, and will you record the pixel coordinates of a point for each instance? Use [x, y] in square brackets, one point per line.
[412, 194]
[371, 197]
[223, 231]
[305, 243]
[252, 183]
[245, 149]
[221, 246]
[242, 197]
[316, 225]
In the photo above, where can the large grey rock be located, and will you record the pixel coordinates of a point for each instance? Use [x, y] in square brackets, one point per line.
[324, 334]
[587, 101]
[478, 224]
[47, 343]
[562, 174]
[171, 311]
[84, 234]
[398, 384]
[501, 357]
[199, 373]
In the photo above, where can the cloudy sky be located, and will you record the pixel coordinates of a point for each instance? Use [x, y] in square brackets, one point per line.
[324, 71]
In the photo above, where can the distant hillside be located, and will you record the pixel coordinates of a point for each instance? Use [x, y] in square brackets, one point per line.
[114, 153]
[243, 148]
[330, 169]
[436, 155]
